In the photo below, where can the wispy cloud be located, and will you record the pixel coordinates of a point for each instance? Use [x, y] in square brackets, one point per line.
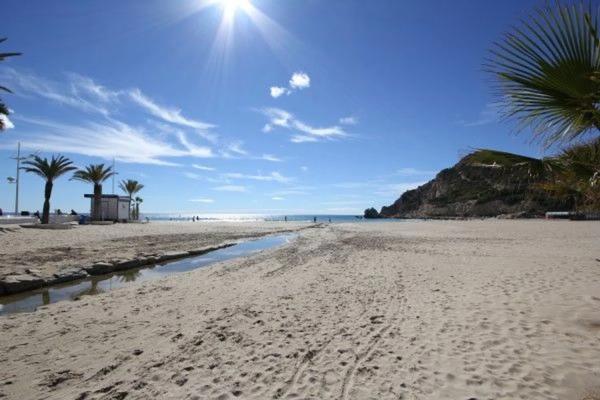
[202, 167]
[230, 188]
[304, 132]
[172, 115]
[29, 84]
[270, 157]
[105, 139]
[272, 177]
[277, 198]
[167, 132]
[349, 120]
[202, 200]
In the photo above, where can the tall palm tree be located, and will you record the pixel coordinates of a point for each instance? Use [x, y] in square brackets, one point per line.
[3, 108]
[50, 171]
[130, 187]
[138, 201]
[548, 72]
[95, 174]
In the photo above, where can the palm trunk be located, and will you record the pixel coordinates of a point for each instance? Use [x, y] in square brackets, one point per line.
[46, 210]
[97, 202]
[137, 211]
[129, 208]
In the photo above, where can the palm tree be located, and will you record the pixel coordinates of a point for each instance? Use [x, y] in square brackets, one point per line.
[49, 170]
[138, 201]
[3, 108]
[548, 73]
[575, 175]
[95, 174]
[130, 187]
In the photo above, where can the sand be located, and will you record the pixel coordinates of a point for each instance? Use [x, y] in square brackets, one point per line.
[411, 310]
[50, 251]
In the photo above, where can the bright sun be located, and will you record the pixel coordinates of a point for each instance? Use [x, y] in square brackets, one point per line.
[230, 7]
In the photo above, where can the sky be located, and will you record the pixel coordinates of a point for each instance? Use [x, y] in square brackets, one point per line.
[253, 106]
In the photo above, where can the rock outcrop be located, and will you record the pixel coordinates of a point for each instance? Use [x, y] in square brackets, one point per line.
[485, 183]
[371, 213]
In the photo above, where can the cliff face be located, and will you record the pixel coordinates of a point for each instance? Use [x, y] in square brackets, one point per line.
[485, 183]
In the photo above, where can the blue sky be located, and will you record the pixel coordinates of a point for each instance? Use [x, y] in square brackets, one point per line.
[278, 106]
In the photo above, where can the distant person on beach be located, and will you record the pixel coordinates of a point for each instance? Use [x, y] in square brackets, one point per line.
[285, 218]
[315, 220]
[329, 220]
[1, 213]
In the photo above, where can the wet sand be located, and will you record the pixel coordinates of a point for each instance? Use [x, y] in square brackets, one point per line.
[51, 251]
[412, 310]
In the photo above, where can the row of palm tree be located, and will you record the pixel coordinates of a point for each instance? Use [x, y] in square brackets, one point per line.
[4, 111]
[96, 174]
[547, 74]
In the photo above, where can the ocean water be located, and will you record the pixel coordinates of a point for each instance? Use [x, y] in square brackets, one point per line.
[334, 218]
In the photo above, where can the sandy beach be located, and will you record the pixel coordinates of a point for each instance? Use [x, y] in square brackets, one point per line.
[409, 310]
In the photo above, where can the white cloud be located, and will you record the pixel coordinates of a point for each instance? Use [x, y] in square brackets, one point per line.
[230, 188]
[277, 91]
[300, 80]
[306, 133]
[270, 157]
[202, 200]
[6, 122]
[277, 198]
[28, 84]
[82, 85]
[167, 114]
[107, 139]
[349, 120]
[304, 168]
[303, 139]
[272, 177]
[202, 167]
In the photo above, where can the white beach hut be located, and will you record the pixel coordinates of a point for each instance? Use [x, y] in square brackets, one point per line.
[114, 207]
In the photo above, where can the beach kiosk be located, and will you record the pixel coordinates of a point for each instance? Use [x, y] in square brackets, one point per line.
[114, 207]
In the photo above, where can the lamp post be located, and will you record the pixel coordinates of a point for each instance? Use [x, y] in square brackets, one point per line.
[18, 158]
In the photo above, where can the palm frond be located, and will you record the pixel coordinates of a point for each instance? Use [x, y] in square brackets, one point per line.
[547, 73]
[93, 173]
[48, 169]
[130, 186]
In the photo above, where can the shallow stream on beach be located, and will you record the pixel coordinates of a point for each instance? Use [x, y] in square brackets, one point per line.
[29, 301]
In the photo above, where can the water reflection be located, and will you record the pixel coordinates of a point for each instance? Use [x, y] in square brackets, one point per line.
[29, 301]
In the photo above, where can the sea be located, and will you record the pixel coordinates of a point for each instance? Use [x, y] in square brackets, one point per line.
[333, 218]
